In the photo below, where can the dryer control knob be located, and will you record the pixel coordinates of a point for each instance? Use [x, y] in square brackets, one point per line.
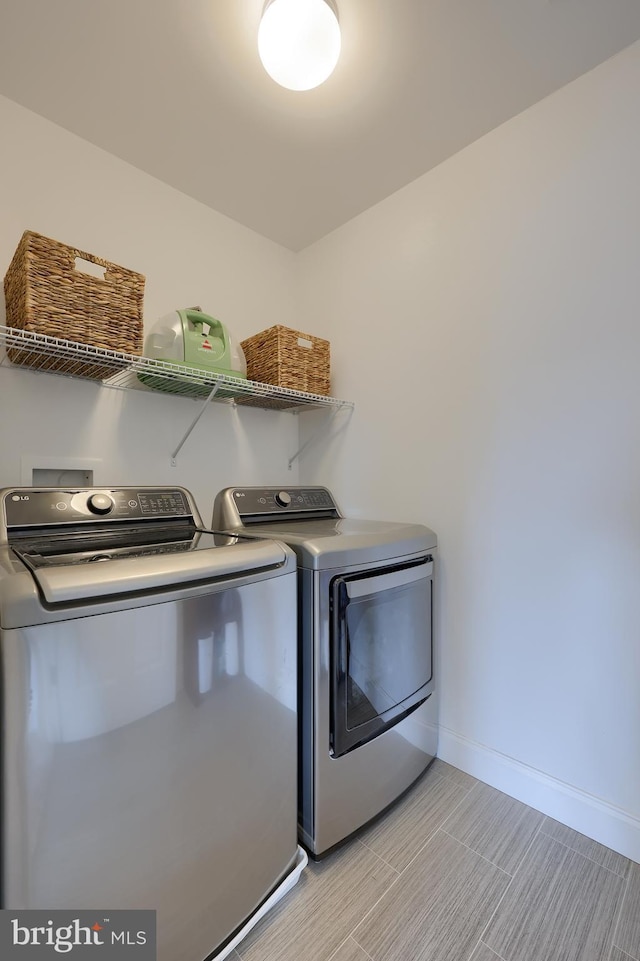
[100, 504]
[283, 498]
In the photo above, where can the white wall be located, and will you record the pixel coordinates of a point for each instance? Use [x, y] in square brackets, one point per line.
[486, 321]
[59, 185]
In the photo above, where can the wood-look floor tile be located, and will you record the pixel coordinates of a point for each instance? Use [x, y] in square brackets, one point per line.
[618, 955]
[316, 916]
[483, 953]
[590, 849]
[400, 834]
[495, 825]
[559, 907]
[349, 951]
[453, 773]
[437, 909]
[628, 934]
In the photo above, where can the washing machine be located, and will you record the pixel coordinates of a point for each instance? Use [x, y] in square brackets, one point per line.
[148, 703]
[367, 715]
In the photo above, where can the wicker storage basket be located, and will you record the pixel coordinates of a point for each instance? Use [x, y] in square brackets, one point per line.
[288, 358]
[46, 293]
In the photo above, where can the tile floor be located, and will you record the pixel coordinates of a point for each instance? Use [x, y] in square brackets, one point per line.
[457, 871]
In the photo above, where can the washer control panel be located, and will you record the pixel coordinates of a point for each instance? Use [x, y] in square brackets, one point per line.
[253, 501]
[28, 507]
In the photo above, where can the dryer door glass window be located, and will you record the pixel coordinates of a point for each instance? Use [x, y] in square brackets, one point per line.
[381, 650]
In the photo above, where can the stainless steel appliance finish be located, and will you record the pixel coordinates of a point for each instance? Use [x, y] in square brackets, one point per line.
[368, 725]
[148, 712]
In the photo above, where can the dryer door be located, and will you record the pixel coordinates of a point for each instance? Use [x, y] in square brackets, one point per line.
[381, 649]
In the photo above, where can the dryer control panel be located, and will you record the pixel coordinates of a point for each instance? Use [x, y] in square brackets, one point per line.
[264, 503]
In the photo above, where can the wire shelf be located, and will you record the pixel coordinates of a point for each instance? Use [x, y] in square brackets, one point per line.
[131, 372]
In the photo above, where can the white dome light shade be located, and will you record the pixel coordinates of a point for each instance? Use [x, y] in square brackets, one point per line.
[299, 42]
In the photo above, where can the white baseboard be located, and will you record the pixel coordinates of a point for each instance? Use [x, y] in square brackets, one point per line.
[583, 812]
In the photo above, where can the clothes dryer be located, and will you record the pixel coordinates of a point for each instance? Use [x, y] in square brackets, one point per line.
[368, 725]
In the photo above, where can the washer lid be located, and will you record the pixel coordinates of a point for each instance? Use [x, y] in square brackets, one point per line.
[103, 571]
[343, 542]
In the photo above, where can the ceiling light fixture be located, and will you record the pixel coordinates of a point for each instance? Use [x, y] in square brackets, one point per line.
[299, 41]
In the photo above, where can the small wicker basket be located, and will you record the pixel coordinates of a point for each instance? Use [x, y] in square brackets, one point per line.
[289, 358]
[46, 293]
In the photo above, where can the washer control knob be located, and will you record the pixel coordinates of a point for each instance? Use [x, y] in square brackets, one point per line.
[100, 504]
[283, 498]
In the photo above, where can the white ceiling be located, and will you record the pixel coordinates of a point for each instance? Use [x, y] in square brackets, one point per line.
[176, 88]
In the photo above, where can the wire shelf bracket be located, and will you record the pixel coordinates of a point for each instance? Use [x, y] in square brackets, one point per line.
[318, 433]
[195, 420]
